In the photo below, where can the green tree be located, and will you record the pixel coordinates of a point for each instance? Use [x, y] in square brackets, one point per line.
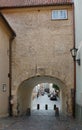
[55, 87]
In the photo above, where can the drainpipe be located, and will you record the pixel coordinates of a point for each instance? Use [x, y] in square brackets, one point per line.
[10, 74]
[74, 96]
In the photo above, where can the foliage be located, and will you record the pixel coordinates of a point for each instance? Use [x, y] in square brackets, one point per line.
[55, 87]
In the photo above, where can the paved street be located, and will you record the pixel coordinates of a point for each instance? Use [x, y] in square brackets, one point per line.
[43, 100]
[40, 120]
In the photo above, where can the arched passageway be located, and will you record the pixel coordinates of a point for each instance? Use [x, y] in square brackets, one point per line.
[25, 89]
[46, 96]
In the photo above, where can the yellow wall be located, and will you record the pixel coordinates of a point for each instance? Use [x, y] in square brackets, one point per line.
[4, 69]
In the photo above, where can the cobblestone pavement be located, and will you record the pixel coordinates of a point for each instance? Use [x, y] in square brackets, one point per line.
[40, 120]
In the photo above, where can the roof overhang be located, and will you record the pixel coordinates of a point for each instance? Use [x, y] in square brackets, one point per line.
[33, 3]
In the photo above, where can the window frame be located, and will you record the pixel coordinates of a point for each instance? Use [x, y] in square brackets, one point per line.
[59, 16]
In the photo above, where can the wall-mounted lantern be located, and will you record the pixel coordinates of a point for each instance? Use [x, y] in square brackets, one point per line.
[74, 54]
[4, 87]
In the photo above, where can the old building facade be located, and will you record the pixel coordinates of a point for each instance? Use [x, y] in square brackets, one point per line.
[6, 34]
[40, 51]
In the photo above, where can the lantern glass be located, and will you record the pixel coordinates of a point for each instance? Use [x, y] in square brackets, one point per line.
[74, 52]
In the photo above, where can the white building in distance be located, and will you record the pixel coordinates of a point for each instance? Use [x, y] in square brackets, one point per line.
[78, 40]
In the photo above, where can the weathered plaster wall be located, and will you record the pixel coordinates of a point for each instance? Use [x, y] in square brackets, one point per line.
[4, 68]
[42, 46]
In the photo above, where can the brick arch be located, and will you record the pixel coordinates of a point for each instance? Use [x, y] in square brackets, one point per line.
[24, 92]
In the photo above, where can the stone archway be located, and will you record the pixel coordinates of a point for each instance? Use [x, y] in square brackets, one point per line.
[24, 91]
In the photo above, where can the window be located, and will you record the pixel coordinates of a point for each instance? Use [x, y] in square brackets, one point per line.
[59, 14]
